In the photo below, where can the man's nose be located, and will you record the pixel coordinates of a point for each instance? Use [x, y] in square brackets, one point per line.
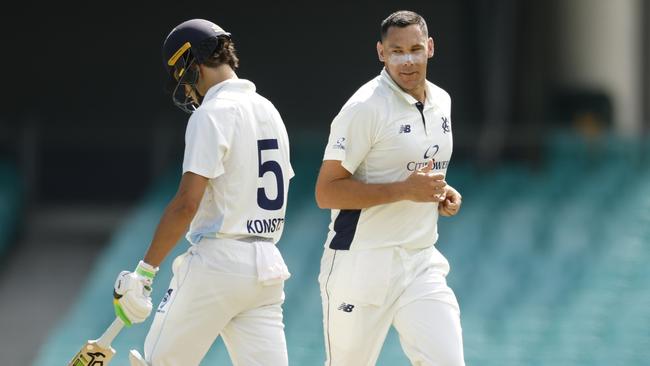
[405, 59]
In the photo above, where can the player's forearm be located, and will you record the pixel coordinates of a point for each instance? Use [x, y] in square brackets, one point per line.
[350, 194]
[173, 224]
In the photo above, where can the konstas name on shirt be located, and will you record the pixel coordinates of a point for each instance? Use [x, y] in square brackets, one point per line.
[261, 226]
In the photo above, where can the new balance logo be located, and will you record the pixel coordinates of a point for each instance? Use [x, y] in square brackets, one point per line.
[346, 307]
[405, 129]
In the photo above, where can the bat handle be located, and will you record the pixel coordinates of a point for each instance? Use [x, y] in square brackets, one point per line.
[111, 332]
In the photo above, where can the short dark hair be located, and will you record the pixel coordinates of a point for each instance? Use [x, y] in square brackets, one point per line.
[224, 54]
[403, 19]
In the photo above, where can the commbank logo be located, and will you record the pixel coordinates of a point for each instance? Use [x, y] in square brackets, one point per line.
[431, 151]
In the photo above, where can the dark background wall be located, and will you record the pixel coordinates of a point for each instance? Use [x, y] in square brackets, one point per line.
[85, 108]
[85, 114]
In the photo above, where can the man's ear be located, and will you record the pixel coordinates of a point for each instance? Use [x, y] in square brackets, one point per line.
[430, 47]
[380, 51]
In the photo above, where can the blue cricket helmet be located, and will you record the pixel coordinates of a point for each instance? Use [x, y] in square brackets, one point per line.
[192, 41]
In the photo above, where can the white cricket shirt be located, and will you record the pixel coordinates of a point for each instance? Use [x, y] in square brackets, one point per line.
[238, 140]
[382, 135]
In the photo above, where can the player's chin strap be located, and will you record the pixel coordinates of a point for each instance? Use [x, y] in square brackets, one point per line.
[136, 359]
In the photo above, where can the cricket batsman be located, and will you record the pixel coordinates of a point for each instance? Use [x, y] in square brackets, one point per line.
[230, 203]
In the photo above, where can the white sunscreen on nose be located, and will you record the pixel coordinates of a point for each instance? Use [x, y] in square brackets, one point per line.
[407, 58]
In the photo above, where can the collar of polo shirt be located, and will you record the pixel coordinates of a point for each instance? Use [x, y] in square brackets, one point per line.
[407, 97]
[233, 83]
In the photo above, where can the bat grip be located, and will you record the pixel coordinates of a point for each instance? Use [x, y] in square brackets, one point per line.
[111, 332]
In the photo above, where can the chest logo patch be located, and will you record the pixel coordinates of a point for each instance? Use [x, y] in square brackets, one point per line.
[445, 125]
[405, 129]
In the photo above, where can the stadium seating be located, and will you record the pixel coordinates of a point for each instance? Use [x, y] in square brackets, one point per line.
[11, 204]
[558, 274]
[549, 263]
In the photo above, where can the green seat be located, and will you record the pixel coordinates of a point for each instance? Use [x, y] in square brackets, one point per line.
[11, 204]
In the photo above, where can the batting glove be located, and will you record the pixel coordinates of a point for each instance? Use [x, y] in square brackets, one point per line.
[132, 294]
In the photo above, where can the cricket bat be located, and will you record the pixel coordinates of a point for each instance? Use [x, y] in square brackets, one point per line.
[98, 352]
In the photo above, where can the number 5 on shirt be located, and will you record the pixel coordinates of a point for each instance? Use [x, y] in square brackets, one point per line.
[273, 167]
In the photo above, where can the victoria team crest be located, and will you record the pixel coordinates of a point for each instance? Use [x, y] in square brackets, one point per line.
[445, 125]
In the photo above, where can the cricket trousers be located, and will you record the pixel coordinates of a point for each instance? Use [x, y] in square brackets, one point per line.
[365, 292]
[214, 292]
